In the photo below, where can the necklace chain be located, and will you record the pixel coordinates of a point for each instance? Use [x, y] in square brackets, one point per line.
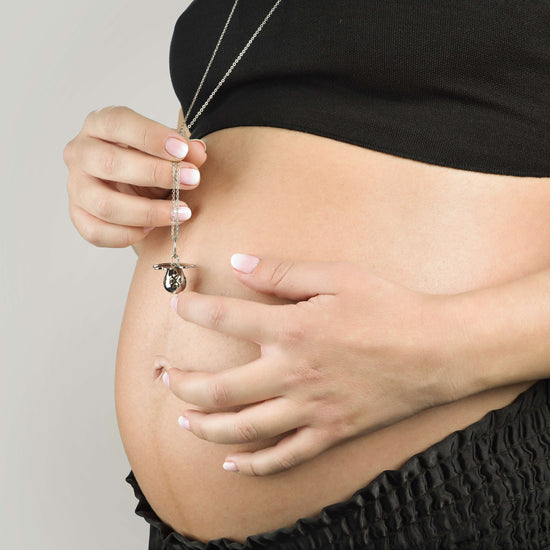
[185, 129]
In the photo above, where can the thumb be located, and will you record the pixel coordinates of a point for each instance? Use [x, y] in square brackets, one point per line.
[289, 279]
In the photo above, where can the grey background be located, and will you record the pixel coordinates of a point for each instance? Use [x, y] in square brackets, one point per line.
[62, 465]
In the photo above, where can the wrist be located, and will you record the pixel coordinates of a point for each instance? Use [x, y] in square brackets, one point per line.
[498, 336]
[455, 357]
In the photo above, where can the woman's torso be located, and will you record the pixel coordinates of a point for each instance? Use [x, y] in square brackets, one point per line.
[276, 192]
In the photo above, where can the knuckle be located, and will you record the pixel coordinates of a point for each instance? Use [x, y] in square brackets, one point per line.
[91, 234]
[68, 153]
[76, 219]
[285, 461]
[110, 162]
[280, 272]
[73, 215]
[89, 120]
[218, 396]
[343, 429]
[338, 423]
[292, 332]
[156, 174]
[306, 374]
[216, 315]
[330, 415]
[110, 118]
[128, 238]
[245, 432]
[199, 430]
[146, 137]
[149, 217]
[103, 208]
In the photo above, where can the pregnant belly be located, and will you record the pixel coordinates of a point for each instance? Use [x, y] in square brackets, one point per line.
[274, 192]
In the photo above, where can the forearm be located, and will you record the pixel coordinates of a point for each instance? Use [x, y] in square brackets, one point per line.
[502, 336]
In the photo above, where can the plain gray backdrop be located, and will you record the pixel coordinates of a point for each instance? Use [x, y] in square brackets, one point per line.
[62, 465]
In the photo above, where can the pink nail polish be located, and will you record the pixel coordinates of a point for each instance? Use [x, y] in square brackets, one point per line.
[174, 303]
[244, 263]
[166, 379]
[230, 466]
[176, 147]
[184, 422]
[184, 213]
[190, 176]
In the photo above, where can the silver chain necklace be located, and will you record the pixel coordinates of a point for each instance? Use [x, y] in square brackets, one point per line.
[174, 279]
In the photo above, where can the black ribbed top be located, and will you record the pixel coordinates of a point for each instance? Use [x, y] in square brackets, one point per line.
[458, 83]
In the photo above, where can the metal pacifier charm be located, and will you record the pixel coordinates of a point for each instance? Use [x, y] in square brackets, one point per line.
[174, 279]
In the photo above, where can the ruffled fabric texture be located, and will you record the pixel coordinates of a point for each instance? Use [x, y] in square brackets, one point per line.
[485, 487]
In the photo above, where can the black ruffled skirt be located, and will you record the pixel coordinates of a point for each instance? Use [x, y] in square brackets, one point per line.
[485, 487]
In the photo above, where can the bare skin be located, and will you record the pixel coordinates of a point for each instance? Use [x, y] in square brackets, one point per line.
[281, 193]
[120, 175]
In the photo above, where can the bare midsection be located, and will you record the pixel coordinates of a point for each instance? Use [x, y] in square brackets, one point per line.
[286, 194]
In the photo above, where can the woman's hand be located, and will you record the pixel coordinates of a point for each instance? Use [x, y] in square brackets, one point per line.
[354, 354]
[120, 174]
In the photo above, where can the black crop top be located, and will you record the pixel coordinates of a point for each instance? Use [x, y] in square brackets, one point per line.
[458, 83]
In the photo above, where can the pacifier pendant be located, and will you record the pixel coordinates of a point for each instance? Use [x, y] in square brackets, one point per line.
[174, 279]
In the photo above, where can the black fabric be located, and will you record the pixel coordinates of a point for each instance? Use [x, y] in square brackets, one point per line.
[482, 488]
[464, 84]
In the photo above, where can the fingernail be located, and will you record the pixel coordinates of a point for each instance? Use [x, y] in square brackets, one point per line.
[244, 263]
[230, 467]
[184, 422]
[200, 141]
[176, 147]
[148, 230]
[184, 213]
[190, 176]
[166, 379]
[174, 303]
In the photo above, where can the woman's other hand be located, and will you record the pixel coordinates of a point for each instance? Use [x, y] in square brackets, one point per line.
[120, 175]
[354, 354]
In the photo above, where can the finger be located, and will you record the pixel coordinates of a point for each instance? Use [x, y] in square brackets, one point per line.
[251, 383]
[290, 279]
[104, 234]
[114, 163]
[118, 124]
[197, 152]
[103, 202]
[295, 449]
[246, 319]
[257, 422]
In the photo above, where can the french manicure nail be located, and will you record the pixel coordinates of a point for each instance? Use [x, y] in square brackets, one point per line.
[230, 467]
[176, 147]
[166, 379]
[244, 263]
[183, 422]
[184, 213]
[190, 176]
